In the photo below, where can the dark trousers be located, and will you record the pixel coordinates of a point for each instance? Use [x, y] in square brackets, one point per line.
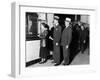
[82, 46]
[66, 55]
[56, 54]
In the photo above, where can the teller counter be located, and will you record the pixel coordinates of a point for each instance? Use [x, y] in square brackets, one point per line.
[32, 50]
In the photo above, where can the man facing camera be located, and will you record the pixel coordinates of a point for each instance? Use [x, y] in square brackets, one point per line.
[56, 41]
[65, 40]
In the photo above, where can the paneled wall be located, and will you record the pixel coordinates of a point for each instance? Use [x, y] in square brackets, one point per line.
[50, 19]
[85, 18]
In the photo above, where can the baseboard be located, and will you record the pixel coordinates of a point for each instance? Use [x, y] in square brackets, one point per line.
[33, 62]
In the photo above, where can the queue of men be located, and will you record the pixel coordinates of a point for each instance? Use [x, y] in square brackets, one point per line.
[63, 40]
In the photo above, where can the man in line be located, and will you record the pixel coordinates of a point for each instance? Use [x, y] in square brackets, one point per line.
[82, 38]
[66, 40]
[56, 41]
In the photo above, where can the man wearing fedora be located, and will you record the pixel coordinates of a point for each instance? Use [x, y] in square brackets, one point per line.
[66, 40]
[56, 41]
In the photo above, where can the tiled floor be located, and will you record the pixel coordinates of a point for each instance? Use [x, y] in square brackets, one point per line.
[80, 59]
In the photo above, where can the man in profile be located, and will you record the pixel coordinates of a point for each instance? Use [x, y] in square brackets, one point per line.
[66, 40]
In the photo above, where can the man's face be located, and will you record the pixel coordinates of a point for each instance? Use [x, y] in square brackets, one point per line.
[79, 23]
[42, 28]
[82, 27]
[55, 21]
[30, 23]
[66, 23]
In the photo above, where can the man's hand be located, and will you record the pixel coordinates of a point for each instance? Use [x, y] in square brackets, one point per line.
[84, 41]
[50, 38]
[56, 44]
[66, 46]
[38, 35]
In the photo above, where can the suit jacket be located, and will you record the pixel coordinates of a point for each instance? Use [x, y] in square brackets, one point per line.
[82, 36]
[66, 36]
[57, 34]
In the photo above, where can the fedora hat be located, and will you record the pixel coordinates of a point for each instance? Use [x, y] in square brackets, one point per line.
[56, 17]
[68, 19]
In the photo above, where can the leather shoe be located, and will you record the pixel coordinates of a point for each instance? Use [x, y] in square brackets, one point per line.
[43, 62]
[56, 64]
[53, 62]
[65, 64]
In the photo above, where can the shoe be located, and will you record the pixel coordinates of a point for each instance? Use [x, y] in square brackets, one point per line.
[43, 62]
[53, 62]
[40, 62]
[65, 64]
[56, 64]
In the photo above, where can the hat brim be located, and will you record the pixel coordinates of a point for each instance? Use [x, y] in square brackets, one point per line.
[56, 18]
[67, 21]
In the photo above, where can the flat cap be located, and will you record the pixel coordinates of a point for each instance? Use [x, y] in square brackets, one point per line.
[68, 19]
[56, 17]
